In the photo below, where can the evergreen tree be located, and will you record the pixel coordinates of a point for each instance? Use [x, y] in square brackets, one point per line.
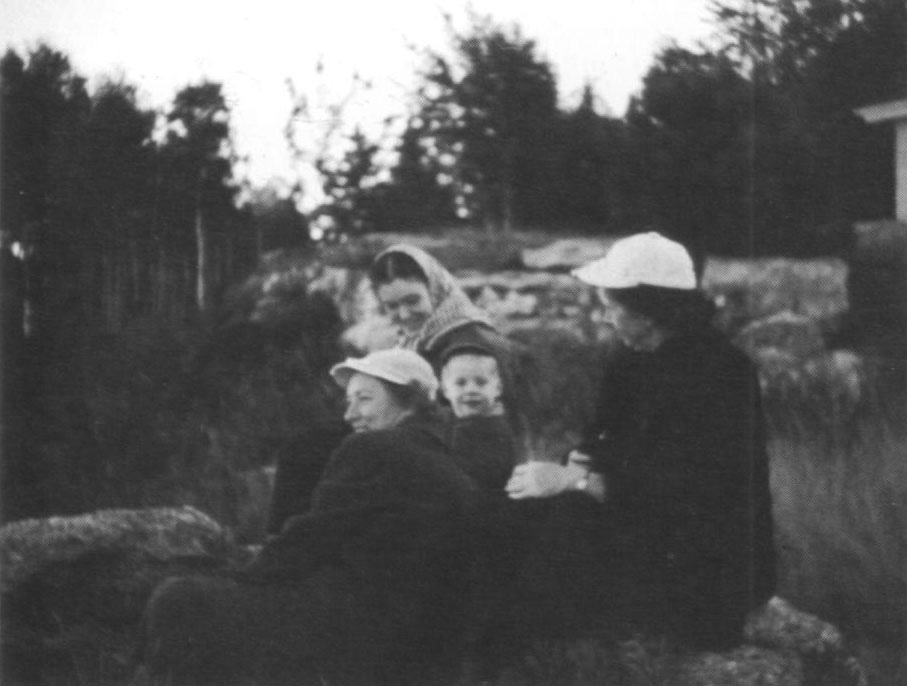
[690, 128]
[348, 183]
[592, 167]
[490, 109]
[419, 194]
[196, 173]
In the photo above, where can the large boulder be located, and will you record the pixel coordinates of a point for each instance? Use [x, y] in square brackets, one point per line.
[878, 286]
[825, 655]
[74, 588]
[744, 666]
[784, 647]
[793, 333]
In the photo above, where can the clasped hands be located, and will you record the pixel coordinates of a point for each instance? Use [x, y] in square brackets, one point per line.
[540, 479]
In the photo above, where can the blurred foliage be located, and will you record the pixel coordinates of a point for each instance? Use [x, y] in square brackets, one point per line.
[159, 414]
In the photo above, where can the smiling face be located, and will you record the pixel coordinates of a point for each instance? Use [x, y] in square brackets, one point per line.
[406, 302]
[370, 405]
[472, 384]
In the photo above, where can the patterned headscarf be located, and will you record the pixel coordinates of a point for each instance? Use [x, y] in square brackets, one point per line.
[451, 307]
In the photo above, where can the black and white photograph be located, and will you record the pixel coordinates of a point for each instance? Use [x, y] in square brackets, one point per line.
[453, 343]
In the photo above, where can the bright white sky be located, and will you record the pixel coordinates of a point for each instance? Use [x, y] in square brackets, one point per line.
[254, 46]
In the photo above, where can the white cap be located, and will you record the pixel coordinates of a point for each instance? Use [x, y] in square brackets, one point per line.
[644, 259]
[399, 366]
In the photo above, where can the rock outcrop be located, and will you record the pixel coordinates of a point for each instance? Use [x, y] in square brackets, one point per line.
[784, 647]
[74, 588]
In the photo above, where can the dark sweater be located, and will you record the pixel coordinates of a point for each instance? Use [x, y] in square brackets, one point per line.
[298, 471]
[485, 448]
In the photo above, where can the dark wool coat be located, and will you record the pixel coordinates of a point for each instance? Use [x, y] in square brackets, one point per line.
[680, 439]
[299, 468]
[387, 509]
[369, 581]
[485, 448]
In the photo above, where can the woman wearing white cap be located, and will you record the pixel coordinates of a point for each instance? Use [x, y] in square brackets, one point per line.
[365, 586]
[676, 455]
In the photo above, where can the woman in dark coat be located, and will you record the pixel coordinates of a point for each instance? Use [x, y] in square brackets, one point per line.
[366, 586]
[676, 457]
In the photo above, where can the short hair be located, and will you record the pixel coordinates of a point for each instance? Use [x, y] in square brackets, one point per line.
[673, 309]
[393, 265]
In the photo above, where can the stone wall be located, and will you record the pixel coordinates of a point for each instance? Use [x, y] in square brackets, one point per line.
[792, 316]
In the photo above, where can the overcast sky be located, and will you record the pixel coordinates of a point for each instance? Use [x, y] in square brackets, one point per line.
[254, 46]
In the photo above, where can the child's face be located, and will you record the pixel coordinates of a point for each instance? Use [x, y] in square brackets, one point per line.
[472, 384]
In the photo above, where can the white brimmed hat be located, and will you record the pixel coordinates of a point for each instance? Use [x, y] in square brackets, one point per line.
[398, 366]
[644, 259]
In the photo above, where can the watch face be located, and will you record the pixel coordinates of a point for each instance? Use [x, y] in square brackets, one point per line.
[582, 484]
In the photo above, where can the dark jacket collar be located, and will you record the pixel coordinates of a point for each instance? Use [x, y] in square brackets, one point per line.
[430, 420]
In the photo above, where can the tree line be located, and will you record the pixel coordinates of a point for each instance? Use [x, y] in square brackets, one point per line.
[117, 211]
[747, 146]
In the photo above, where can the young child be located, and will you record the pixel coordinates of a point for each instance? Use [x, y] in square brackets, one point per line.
[471, 382]
[481, 437]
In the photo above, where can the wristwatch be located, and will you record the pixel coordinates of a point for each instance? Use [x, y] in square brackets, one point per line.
[583, 483]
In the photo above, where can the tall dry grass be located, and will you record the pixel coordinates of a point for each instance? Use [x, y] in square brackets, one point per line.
[841, 517]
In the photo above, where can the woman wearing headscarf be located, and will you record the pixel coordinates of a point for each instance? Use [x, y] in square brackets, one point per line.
[433, 315]
[429, 308]
[675, 458]
[368, 586]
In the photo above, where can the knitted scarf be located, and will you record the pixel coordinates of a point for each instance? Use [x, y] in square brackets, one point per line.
[451, 307]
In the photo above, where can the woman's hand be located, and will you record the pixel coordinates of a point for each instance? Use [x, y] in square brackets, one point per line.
[538, 479]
